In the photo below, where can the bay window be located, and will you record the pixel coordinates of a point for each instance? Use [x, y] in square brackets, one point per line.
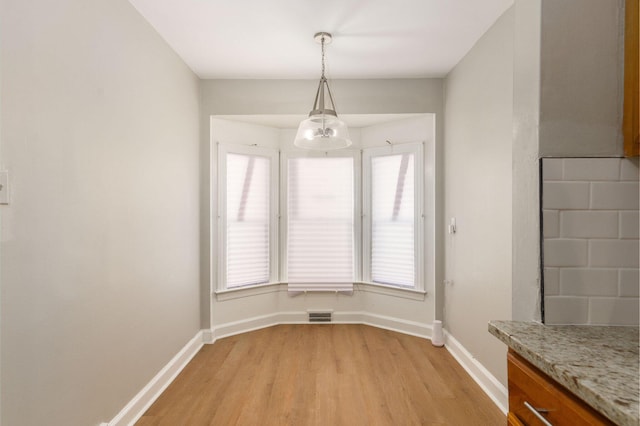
[320, 221]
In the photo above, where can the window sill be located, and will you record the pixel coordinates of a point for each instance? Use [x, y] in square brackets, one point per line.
[388, 290]
[254, 290]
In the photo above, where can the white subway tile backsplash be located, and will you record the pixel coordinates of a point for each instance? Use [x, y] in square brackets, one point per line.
[552, 168]
[613, 311]
[629, 283]
[551, 223]
[566, 310]
[629, 224]
[614, 253]
[565, 195]
[588, 282]
[589, 224]
[591, 227]
[592, 169]
[614, 195]
[629, 169]
[565, 253]
[551, 281]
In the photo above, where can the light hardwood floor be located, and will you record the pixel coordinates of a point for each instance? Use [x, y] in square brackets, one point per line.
[323, 374]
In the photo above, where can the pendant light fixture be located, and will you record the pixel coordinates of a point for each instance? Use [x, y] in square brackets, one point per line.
[323, 130]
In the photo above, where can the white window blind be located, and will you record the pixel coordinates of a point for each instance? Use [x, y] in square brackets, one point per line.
[393, 220]
[320, 233]
[392, 226]
[247, 215]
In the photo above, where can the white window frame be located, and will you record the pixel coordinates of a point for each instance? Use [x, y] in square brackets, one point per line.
[357, 205]
[274, 234]
[425, 229]
[419, 236]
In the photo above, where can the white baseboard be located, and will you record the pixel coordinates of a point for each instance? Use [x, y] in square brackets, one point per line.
[487, 381]
[244, 326]
[346, 317]
[207, 336]
[143, 400]
[412, 328]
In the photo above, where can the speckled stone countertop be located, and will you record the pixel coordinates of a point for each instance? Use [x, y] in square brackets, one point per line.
[599, 364]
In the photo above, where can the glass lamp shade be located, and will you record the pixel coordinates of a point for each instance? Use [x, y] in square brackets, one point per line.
[322, 132]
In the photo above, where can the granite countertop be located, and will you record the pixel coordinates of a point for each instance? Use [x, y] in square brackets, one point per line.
[599, 364]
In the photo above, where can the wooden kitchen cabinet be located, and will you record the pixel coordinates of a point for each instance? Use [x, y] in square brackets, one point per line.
[530, 389]
[513, 420]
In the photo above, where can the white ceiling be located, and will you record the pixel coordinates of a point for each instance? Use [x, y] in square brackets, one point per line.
[274, 38]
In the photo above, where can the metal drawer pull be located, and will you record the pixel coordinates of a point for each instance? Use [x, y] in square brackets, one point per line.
[536, 412]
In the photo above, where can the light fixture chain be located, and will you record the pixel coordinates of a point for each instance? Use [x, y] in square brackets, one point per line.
[322, 47]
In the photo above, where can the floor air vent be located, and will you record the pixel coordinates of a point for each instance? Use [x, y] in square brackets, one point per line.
[320, 316]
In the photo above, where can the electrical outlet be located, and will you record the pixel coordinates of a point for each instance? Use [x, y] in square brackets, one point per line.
[452, 225]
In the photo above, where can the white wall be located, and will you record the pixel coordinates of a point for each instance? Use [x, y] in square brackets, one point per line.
[526, 292]
[581, 86]
[478, 179]
[352, 96]
[99, 254]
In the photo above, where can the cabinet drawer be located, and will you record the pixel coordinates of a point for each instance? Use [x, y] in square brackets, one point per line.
[529, 389]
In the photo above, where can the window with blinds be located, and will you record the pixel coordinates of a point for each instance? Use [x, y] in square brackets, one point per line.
[392, 215]
[392, 220]
[328, 241]
[248, 237]
[320, 226]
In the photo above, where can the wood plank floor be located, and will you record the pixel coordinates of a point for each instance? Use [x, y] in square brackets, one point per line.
[323, 374]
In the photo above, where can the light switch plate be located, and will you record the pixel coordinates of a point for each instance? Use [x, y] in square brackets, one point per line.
[4, 187]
